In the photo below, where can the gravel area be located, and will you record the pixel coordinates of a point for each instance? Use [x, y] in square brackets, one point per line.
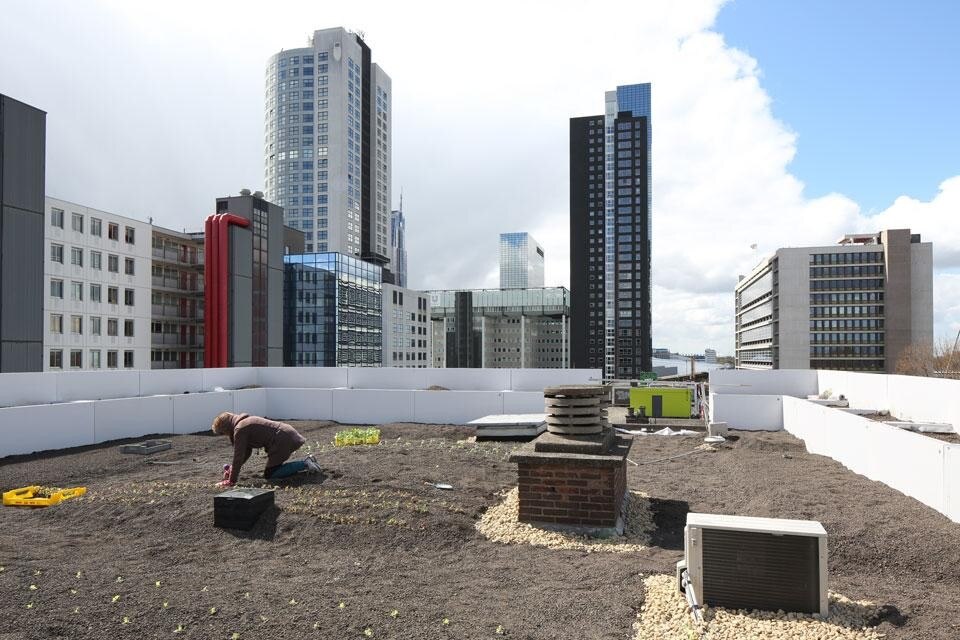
[371, 545]
[665, 615]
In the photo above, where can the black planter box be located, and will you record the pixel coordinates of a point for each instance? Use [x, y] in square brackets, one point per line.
[239, 508]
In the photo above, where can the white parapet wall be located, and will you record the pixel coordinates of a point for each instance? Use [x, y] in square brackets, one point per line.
[747, 412]
[776, 382]
[55, 410]
[919, 466]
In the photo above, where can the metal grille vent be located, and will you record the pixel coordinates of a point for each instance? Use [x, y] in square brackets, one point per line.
[752, 570]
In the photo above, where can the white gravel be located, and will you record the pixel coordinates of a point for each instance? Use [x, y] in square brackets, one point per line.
[665, 615]
[500, 524]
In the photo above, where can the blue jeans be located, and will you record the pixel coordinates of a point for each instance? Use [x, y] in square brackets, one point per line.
[285, 470]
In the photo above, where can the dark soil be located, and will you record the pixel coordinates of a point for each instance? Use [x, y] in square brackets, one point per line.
[370, 533]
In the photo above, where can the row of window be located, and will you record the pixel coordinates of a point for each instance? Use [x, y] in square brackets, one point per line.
[76, 292]
[847, 270]
[858, 311]
[95, 325]
[865, 323]
[846, 285]
[847, 351]
[846, 338]
[94, 359]
[96, 226]
[856, 257]
[96, 259]
[842, 298]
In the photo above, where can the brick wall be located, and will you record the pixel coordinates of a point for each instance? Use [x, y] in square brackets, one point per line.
[569, 494]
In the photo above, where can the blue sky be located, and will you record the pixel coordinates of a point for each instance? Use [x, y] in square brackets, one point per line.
[871, 88]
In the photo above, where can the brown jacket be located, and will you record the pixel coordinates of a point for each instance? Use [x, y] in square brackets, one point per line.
[278, 439]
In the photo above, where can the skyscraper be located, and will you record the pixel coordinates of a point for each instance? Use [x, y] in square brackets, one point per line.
[327, 144]
[398, 246]
[610, 235]
[521, 261]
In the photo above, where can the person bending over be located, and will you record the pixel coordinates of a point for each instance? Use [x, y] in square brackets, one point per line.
[278, 439]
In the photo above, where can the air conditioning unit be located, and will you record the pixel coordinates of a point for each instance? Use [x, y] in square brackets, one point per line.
[767, 564]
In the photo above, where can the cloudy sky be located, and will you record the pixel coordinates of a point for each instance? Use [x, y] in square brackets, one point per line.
[775, 123]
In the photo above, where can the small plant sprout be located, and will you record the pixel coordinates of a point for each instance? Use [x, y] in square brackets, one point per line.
[204, 588]
[316, 625]
[165, 604]
[116, 597]
[263, 618]
[33, 587]
[73, 592]
[2, 569]
[247, 595]
[235, 636]
[76, 609]
[213, 610]
[119, 578]
[368, 632]
[126, 620]
[78, 574]
[29, 605]
[500, 630]
[446, 621]
[37, 572]
[157, 584]
[293, 601]
[179, 629]
[394, 613]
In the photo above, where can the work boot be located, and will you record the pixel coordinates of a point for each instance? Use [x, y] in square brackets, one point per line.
[312, 464]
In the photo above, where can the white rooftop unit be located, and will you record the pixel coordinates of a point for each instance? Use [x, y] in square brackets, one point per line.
[757, 563]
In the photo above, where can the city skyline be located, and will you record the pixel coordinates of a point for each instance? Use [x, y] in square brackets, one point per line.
[718, 189]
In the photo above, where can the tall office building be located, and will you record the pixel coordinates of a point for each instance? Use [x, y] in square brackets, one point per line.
[23, 131]
[177, 321]
[327, 144]
[610, 235]
[857, 305]
[398, 246]
[521, 261]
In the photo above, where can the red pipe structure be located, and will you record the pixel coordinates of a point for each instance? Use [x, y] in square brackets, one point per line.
[216, 281]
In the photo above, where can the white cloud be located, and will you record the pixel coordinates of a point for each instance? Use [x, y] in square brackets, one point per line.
[155, 114]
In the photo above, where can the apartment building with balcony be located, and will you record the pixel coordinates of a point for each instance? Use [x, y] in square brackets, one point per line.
[176, 322]
[96, 289]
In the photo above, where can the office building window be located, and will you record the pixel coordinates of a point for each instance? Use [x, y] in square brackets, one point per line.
[76, 256]
[76, 291]
[129, 235]
[113, 295]
[94, 293]
[128, 297]
[96, 227]
[113, 263]
[76, 359]
[56, 218]
[113, 231]
[128, 359]
[96, 260]
[111, 359]
[76, 223]
[76, 325]
[128, 266]
[128, 328]
[95, 325]
[56, 323]
[112, 325]
[95, 359]
[56, 289]
[56, 359]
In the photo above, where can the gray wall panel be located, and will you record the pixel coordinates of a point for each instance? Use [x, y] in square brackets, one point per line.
[21, 271]
[24, 140]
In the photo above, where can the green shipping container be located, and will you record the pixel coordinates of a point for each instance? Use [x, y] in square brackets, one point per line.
[662, 402]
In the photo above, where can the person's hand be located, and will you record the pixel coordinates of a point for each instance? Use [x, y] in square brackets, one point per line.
[225, 483]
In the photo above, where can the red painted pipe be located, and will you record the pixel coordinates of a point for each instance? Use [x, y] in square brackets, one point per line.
[215, 290]
[207, 291]
[223, 238]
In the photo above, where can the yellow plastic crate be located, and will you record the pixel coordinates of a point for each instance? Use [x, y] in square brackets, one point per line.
[27, 496]
[357, 436]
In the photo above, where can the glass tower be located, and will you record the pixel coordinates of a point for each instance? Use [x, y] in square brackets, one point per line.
[327, 144]
[398, 245]
[610, 235]
[521, 261]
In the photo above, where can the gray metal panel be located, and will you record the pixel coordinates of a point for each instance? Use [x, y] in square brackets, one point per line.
[21, 276]
[275, 238]
[23, 138]
[21, 356]
[240, 312]
[275, 309]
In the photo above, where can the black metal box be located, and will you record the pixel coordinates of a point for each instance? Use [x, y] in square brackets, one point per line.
[239, 508]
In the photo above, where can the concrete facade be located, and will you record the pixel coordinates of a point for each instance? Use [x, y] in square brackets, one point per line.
[407, 337]
[328, 144]
[97, 289]
[22, 183]
[857, 305]
[176, 325]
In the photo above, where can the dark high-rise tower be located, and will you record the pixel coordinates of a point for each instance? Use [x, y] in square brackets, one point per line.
[22, 162]
[610, 239]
